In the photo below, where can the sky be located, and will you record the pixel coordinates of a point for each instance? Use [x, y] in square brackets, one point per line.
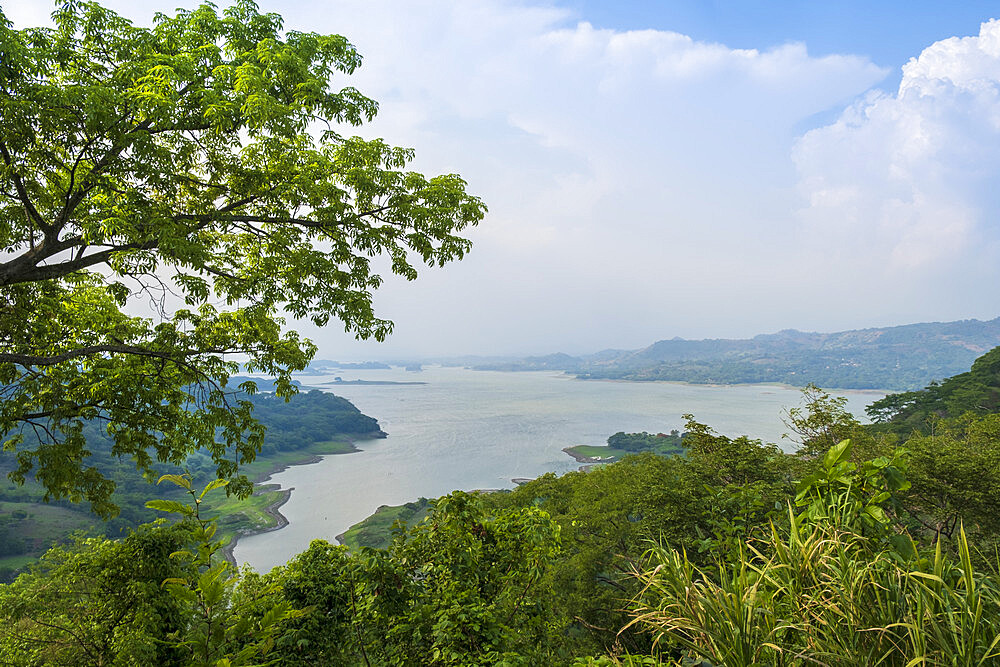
[701, 169]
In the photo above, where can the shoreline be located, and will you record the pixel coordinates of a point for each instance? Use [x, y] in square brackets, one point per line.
[580, 458]
[783, 385]
[273, 509]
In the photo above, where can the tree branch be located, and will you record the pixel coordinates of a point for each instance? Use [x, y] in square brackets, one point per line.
[30, 360]
[22, 192]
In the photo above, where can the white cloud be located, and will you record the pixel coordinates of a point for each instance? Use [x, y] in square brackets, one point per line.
[909, 180]
[630, 175]
[642, 185]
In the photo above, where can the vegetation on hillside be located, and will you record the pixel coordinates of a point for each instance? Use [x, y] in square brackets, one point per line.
[896, 358]
[181, 153]
[294, 429]
[863, 547]
[976, 391]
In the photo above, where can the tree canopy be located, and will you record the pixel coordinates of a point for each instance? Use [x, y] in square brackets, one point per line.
[197, 167]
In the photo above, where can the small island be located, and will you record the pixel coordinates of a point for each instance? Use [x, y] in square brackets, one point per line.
[621, 444]
[340, 381]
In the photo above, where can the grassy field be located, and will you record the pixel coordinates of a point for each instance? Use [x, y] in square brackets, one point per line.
[41, 526]
[596, 452]
[248, 515]
[376, 530]
[264, 466]
[16, 562]
[606, 454]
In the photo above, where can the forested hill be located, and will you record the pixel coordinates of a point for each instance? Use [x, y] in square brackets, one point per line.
[296, 430]
[976, 391]
[901, 357]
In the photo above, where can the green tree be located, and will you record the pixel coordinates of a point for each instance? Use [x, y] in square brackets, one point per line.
[464, 587]
[96, 602]
[201, 157]
[976, 391]
[956, 477]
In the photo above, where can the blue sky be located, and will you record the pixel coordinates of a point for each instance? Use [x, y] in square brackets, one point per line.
[888, 32]
[694, 169]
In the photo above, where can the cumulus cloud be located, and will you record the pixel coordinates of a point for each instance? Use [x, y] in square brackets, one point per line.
[911, 176]
[643, 184]
[637, 176]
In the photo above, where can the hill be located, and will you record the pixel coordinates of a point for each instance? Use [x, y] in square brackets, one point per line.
[976, 391]
[901, 358]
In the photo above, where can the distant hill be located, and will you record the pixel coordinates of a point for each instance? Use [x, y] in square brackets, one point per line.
[549, 362]
[325, 366]
[900, 358]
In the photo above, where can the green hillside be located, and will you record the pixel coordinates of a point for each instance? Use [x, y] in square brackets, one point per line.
[897, 358]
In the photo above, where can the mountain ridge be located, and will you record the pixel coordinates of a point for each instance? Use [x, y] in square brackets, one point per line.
[899, 357]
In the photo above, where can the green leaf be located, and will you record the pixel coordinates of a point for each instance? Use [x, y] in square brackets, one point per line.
[877, 513]
[836, 454]
[171, 506]
[214, 484]
[180, 480]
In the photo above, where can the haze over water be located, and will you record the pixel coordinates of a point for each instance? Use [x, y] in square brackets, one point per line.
[479, 429]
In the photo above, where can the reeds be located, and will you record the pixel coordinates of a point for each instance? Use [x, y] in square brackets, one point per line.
[819, 594]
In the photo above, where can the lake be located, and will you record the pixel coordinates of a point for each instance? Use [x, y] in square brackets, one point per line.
[468, 429]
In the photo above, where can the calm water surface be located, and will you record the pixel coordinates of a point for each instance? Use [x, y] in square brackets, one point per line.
[479, 429]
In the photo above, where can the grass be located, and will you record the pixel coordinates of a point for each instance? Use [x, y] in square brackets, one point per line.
[376, 530]
[267, 464]
[608, 454]
[236, 516]
[817, 594]
[41, 526]
[597, 451]
[16, 562]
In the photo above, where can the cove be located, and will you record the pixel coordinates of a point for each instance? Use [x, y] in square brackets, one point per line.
[468, 429]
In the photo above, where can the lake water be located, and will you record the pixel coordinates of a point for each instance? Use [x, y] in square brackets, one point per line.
[469, 429]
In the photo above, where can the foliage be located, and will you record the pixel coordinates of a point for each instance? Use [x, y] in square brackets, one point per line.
[821, 422]
[465, 587]
[96, 602]
[955, 475]
[834, 583]
[461, 588]
[304, 419]
[660, 443]
[608, 516]
[816, 593]
[761, 558]
[160, 596]
[141, 163]
[216, 631]
[843, 494]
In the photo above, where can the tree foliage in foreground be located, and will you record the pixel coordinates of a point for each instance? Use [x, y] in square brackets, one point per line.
[466, 587]
[834, 583]
[200, 162]
[839, 554]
